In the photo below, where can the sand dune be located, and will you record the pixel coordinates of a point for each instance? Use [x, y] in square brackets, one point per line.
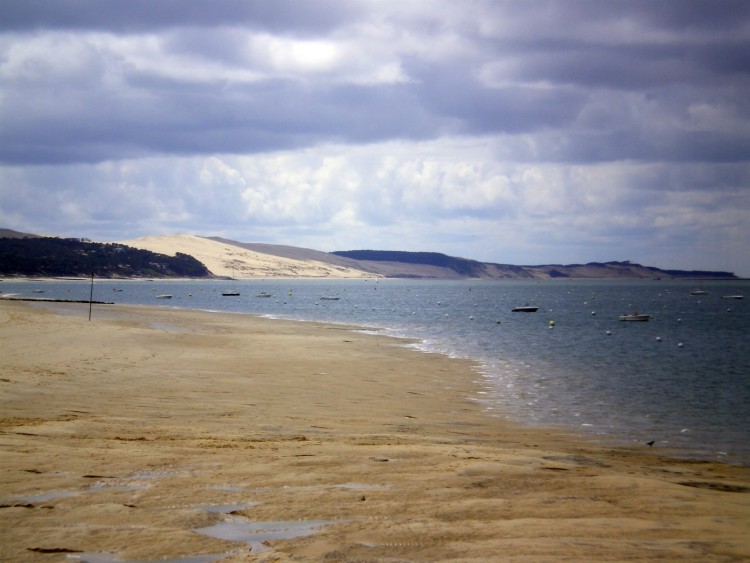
[233, 261]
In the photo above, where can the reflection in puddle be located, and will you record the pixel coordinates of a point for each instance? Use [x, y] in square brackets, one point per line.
[148, 475]
[130, 483]
[106, 557]
[255, 533]
[44, 497]
[105, 486]
[232, 527]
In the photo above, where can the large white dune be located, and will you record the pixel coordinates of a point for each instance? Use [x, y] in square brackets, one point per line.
[233, 261]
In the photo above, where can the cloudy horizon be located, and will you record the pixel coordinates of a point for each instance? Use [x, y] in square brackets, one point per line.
[517, 132]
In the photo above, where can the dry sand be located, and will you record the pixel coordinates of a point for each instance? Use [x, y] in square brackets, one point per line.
[122, 434]
[239, 263]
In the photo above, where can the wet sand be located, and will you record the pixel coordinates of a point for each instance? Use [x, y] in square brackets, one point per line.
[126, 435]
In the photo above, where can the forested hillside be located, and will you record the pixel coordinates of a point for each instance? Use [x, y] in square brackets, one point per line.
[55, 257]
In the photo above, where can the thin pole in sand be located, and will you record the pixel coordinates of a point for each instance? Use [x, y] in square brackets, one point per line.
[91, 295]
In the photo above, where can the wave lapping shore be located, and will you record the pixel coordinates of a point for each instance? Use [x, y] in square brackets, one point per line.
[678, 379]
[162, 433]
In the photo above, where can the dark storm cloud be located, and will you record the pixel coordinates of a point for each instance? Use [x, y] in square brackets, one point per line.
[90, 81]
[632, 67]
[149, 15]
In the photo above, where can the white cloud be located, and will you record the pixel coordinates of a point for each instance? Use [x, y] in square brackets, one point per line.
[560, 131]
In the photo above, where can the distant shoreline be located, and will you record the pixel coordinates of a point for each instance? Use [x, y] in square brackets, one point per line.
[313, 278]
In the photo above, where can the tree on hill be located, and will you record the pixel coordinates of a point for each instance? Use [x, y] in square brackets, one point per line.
[54, 257]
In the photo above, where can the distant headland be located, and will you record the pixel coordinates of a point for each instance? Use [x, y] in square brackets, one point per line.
[191, 256]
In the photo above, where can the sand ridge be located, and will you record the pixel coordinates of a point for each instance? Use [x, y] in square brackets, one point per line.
[126, 434]
[233, 261]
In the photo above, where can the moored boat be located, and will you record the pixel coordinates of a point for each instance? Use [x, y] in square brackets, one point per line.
[737, 296]
[635, 316]
[525, 309]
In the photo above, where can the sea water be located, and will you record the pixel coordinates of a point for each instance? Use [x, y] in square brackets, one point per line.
[681, 379]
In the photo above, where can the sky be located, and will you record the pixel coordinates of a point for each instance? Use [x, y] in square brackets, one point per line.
[518, 132]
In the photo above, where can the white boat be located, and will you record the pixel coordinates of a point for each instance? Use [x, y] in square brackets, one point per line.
[525, 309]
[635, 316]
[165, 296]
[738, 296]
[264, 294]
[699, 292]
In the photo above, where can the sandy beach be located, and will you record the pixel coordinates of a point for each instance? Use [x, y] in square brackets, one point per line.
[146, 433]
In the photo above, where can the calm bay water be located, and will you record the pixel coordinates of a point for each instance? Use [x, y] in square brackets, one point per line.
[681, 379]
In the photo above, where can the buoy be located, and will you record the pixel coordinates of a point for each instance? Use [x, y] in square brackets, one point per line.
[551, 323]
[593, 312]
[658, 338]
[609, 333]
[680, 345]
[498, 321]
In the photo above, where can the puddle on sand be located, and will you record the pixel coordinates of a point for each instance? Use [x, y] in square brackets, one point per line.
[105, 557]
[52, 495]
[233, 528]
[255, 533]
[113, 486]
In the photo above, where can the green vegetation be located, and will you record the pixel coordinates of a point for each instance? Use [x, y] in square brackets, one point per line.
[55, 257]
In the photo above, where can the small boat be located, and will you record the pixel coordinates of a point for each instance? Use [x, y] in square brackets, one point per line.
[738, 296]
[164, 296]
[230, 292]
[699, 292]
[635, 316]
[525, 309]
[264, 294]
[327, 298]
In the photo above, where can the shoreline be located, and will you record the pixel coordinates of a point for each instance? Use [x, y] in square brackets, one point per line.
[600, 438]
[149, 415]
